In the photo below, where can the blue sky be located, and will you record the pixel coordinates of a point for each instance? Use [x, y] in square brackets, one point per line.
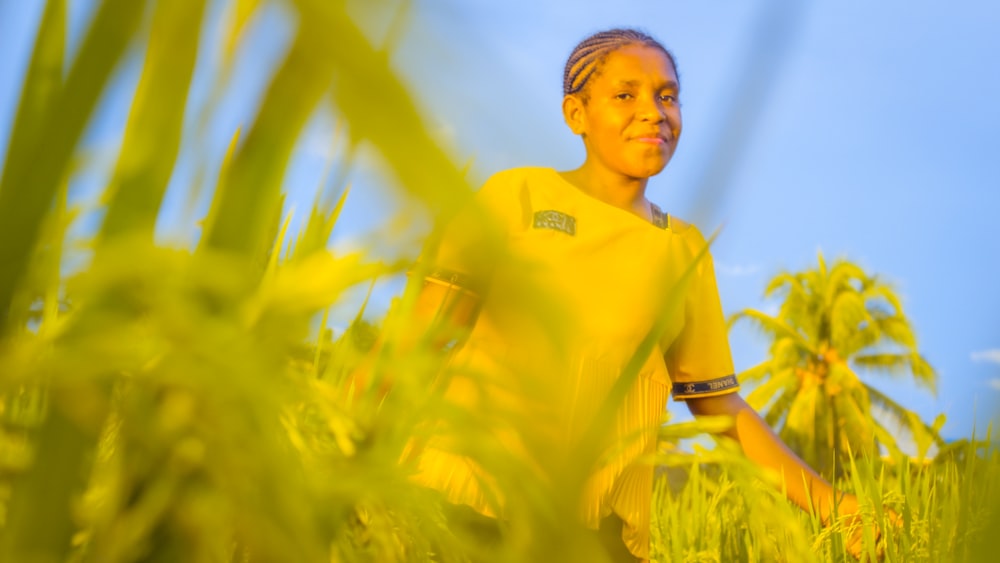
[865, 130]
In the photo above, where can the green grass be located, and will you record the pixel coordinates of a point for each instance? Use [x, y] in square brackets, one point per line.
[725, 512]
[168, 404]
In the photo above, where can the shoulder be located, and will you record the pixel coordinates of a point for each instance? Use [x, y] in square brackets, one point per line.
[680, 226]
[514, 189]
[694, 242]
[509, 194]
[519, 176]
[673, 224]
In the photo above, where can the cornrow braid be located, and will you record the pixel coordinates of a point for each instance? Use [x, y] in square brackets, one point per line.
[588, 55]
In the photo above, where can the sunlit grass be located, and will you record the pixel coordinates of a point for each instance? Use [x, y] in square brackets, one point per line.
[716, 507]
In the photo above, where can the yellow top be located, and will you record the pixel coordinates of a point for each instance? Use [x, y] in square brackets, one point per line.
[606, 274]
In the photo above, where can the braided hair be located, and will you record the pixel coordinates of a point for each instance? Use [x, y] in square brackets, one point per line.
[588, 55]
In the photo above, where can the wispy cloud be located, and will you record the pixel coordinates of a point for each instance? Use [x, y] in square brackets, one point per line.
[990, 356]
[736, 270]
[994, 383]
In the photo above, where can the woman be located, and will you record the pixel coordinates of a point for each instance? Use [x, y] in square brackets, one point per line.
[635, 286]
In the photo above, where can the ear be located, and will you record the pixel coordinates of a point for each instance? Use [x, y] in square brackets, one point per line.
[573, 114]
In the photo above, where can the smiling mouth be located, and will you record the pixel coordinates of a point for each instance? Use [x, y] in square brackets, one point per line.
[651, 140]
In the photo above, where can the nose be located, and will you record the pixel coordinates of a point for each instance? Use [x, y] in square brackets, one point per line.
[652, 111]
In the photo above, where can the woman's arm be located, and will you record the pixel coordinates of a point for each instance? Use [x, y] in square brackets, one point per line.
[763, 447]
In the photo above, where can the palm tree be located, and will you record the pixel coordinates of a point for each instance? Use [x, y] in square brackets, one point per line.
[834, 323]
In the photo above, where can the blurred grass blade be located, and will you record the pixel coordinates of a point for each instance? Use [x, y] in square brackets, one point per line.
[43, 155]
[243, 10]
[36, 303]
[40, 519]
[41, 82]
[379, 108]
[319, 227]
[208, 223]
[41, 85]
[335, 214]
[58, 224]
[279, 242]
[153, 133]
[249, 195]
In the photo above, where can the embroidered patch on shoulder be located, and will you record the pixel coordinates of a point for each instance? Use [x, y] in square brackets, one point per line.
[555, 220]
[660, 218]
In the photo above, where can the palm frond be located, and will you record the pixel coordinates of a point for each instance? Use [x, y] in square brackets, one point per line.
[774, 327]
[764, 393]
[893, 364]
[898, 364]
[924, 373]
[863, 338]
[840, 281]
[883, 292]
[903, 417]
[856, 432]
[755, 373]
[778, 410]
[787, 354]
[847, 316]
[805, 414]
[897, 330]
[781, 281]
[895, 411]
[885, 438]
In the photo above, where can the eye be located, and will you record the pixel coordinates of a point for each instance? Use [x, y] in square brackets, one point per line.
[668, 98]
[623, 96]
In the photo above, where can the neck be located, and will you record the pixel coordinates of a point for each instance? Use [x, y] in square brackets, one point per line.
[614, 189]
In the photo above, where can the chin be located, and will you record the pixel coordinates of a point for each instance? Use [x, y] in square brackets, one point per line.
[650, 166]
[650, 170]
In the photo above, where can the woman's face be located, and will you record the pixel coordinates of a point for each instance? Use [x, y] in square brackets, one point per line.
[631, 119]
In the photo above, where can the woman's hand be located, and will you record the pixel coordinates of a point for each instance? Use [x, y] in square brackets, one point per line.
[849, 508]
[804, 486]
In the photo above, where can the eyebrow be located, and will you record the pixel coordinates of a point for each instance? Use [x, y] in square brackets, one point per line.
[669, 85]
